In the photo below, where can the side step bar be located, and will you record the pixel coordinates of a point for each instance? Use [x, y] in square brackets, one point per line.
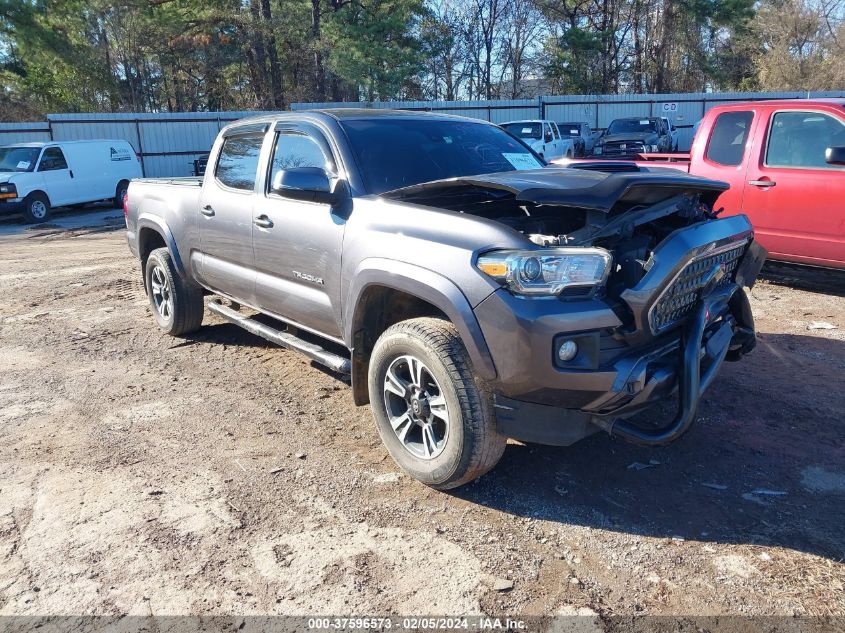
[316, 353]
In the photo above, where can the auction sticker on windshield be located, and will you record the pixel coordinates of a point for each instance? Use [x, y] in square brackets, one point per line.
[522, 161]
[24, 164]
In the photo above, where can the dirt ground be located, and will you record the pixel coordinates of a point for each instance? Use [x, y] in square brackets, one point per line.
[141, 474]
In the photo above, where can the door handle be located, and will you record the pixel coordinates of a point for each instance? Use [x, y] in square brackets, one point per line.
[762, 183]
[71, 172]
[263, 221]
[207, 211]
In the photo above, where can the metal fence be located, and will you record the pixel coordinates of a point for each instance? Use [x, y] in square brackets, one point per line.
[684, 110]
[169, 143]
[24, 132]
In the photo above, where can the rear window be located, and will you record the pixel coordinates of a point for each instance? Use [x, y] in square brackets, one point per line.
[525, 130]
[238, 162]
[727, 141]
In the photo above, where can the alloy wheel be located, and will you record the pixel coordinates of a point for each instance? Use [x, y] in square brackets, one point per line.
[416, 407]
[162, 295]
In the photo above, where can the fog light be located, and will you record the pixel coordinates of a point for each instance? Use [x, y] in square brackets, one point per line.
[567, 351]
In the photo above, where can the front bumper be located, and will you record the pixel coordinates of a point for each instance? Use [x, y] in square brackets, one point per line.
[12, 205]
[720, 328]
[617, 372]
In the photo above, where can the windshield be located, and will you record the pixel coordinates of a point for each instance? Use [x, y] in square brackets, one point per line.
[525, 130]
[396, 153]
[569, 129]
[18, 158]
[623, 126]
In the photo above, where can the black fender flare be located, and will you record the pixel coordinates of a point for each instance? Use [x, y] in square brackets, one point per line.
[155, 223]
[428, 286]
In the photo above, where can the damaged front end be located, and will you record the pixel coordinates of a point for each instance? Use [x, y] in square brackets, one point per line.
[656, 323]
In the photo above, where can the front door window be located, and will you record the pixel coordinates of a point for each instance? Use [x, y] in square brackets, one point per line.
[799, 140]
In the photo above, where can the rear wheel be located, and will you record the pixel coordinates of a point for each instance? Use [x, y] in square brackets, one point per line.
[434, 417]
[176, 304]
[119, 193]
[36, 207]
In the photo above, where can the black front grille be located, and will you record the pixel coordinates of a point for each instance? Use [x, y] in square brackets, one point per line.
[678, 299]
[630, 147]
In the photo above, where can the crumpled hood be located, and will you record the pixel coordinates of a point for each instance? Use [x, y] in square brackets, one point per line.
[6, 176]
[641, 137]
[594, 190]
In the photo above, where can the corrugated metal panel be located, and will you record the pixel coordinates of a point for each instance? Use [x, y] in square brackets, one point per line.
[164, 137]
[610, 111]
[572, 112]
[170, 166]
[171, 141]
[11, 133]
[168, 142]
[78, 130]
[513, 114]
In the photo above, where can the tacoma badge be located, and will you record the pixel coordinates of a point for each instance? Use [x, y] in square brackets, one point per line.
[306, 277]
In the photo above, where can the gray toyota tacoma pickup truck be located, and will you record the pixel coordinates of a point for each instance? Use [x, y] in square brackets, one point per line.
[471, 293]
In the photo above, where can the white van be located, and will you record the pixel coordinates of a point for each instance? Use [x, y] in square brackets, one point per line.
[35, 177]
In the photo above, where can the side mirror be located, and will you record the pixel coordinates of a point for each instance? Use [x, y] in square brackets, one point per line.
[835, 155]
[311, 184]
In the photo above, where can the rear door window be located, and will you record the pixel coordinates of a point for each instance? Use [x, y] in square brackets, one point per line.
[52, 159]
[555, 130]
[238, 162]
[727, 140]
[799, 140]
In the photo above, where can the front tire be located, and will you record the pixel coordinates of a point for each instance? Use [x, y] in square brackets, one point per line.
[176, 304]
[435, 418]
[37, 207]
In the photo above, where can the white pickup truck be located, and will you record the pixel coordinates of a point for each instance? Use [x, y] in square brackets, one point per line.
[543, 137]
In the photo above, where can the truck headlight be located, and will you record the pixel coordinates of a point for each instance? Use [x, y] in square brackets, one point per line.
[8, 190]
[548, 271]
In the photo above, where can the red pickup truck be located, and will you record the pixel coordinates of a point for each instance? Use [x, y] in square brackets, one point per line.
[785, 162]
